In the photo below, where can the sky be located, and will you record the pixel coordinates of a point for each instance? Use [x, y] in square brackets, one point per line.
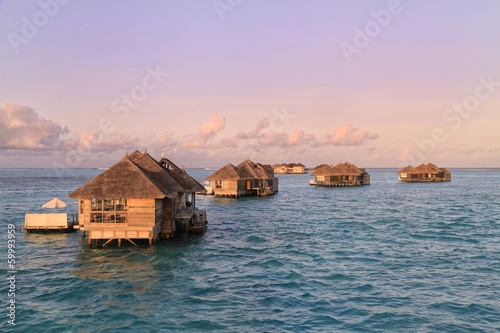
[208, 82]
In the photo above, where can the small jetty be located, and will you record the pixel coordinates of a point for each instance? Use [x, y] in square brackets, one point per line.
[290, 168]
[50, 221]
[342, 174]
[424, 173]
[139, 198]
[245, 179]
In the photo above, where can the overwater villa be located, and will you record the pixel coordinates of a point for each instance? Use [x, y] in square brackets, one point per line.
[245, 179]
[342, 174]
[139, 198]
[424, 173]
[290, 168]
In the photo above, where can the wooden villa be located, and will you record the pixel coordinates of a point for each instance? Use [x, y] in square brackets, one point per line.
[139, 198]
[424, 173]
[290, 168]
[245, 179]
[342, 174]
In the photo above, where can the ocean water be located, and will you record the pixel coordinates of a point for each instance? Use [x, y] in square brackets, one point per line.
[388, 257]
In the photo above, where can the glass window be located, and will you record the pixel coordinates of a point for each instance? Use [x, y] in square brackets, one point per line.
[108, 210]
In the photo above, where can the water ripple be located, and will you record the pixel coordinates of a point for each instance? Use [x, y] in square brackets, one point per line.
[380, 258]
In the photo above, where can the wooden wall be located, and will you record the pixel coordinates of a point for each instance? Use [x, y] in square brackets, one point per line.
[84, 218]
[167, 224]
[141, 212]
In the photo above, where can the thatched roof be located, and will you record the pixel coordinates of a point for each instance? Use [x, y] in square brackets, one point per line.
[137, 175]
[422, 168]
[346, 170]
[256, 170]
[433, 167]
[325, 170]
[408, 169]
[341, 169]
[354, 168]
[245, 170]
[228, 172]
[289, 165]
[181, 176]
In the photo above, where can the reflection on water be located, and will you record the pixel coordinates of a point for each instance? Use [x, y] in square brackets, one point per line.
[136, 265]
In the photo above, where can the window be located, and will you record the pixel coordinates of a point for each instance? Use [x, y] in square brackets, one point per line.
[218, 184]
[108, 210]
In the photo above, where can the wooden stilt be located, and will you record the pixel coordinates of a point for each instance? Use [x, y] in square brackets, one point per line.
[119, 242]
[131, 241]
[107, 242]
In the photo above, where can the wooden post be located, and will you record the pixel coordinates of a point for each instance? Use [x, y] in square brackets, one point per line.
[119, 242]
[107, 242]
[131, 241]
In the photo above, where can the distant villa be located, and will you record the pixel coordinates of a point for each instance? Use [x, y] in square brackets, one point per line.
[245, 179]
[138, 198]
[424, 173]
[342, 174]
[292, 168]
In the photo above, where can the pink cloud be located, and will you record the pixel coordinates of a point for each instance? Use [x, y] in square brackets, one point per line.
[97, 141]
[210, 129]
[299, 137]
[263, 135]
[22, 128]
[349, 135]
[206, 133]
[261, 128]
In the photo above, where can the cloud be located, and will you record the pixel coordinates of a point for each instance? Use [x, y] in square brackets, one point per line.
[97, 141]
[22, 128]
[260, 129]
[206, 133]
[299, 137]
[349, 135]
[210, 129]
[264, 135]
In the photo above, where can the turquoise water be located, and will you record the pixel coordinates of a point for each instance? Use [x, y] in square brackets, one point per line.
[389, 257]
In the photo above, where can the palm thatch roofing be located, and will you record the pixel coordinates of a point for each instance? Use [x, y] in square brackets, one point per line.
[245, 170]
[434, 167]
[422, 168]
[408, 169]
[137, 175]
[347, 170]
[229, 172]
[181, 176]
[354, 168]
[341, 169]
[325, 170]
[257, 170]
[289, 165]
